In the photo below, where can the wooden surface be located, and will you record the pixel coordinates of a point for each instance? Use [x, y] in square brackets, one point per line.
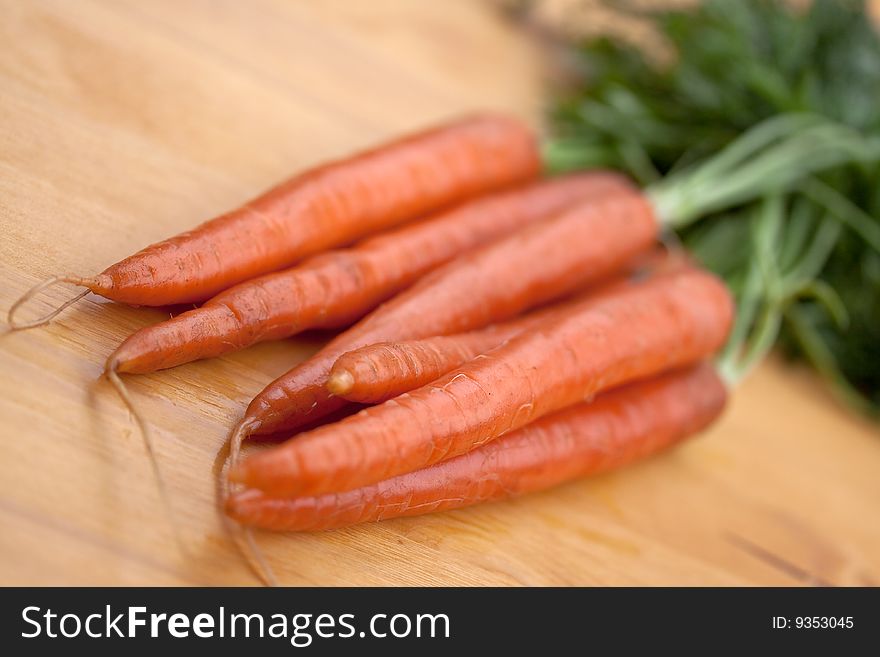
[124, 122]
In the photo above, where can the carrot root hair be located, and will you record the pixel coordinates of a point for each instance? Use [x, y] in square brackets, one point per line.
[246, 543]
[146, 436]
[243, 537]
[253, 555]
[34, 291]
[241, 431]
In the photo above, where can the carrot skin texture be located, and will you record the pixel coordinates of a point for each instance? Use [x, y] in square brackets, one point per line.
[382, 371]
[338, 287]
[379, 372]
[532, 266]
[644, 329]
[327, 206]
[619, 427]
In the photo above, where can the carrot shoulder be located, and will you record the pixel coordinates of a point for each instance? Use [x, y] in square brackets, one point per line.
[496, 282]
[324, 207]
[638, 332]
[620, 426]
[338, 287]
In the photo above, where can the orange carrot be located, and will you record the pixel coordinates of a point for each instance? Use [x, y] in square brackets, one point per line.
[619, 427]
[382, 371]
[324, 207]
[641, 330]
[530, 267]
[338, 287]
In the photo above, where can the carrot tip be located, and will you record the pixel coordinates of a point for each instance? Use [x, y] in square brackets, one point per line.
[340, 382]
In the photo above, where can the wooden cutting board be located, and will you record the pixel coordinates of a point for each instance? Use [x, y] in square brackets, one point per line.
[124, 122]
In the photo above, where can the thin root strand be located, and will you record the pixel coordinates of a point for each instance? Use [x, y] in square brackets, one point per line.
[35, 290]
[241, 431]
[146, 435]
[253, 555]
[243, 537]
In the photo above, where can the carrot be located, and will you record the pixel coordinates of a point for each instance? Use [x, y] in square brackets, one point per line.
[382, 371]
[379, 372]
[532, 266]
[619, 427]
[641, 330]
[324, 207]
[338, 287]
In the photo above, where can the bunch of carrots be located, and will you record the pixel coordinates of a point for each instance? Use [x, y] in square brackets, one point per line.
[506, 332]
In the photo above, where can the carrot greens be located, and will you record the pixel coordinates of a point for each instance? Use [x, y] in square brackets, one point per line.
[758, 144]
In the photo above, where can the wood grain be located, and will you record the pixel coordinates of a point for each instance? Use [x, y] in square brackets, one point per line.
[123, 122]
